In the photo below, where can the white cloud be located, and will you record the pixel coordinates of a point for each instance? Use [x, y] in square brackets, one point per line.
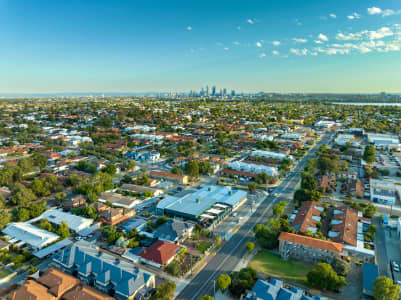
[299, 40]
[276, 43]
[261, 55]
[381, 33]
[238, 27]
[367, 34]
[322, 37]
[250, 21]
[226, 48]
[189, 28]
[275, 52]
[374, 11]
[236, 43]
[318, 42]
[299, 52]
[354, 16]
[258, 44]
[333, 16]
[349, 37]
[385, 13]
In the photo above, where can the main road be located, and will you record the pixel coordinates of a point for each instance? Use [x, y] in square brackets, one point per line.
[231, 253]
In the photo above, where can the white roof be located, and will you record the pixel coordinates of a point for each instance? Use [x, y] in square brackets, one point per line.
[56, 216]
[30, 234]
[215, 211]
[207, 216]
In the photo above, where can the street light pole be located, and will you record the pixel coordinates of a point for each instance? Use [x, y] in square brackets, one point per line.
[214, 288]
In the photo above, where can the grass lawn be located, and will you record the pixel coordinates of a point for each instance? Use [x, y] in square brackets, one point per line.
[4, 273]
[272, 264]
[203, 246]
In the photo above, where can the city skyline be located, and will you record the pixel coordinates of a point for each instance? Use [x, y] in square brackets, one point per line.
[253, 46]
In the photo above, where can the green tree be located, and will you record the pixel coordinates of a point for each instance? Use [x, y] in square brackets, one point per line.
[250, 246]
[308, 182]
[192, 169]
[45, 224]
[205, 168]
[5, 218]
[223, 282]
[110, 169]
[39, 160]
[340, 266]
[206, 297]
[174, 269]
[303, 195]
[252, 186]
[322, 276]
[20, 195]
[32, 270]
[176, 170]
[385, 289]
[63, 230]
[164, 291]
[22, 214]
[369, 154]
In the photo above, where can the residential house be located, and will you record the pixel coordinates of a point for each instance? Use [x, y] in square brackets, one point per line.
[54, 285]
[176, 178]
[174, 231]
[104, 271]
[160, 253]
[275, 289]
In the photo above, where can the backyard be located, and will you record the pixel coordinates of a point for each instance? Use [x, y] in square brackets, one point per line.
[288, 270]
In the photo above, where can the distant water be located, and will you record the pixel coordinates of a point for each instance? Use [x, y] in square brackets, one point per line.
[368, 103]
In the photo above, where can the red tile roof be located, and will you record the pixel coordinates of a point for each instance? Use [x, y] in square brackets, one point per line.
[160, 252]
[348, 228]
[166, 174]
[312, 242]
[304, 219]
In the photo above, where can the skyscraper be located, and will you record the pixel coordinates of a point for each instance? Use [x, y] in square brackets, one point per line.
[214, 90]
[207, 91]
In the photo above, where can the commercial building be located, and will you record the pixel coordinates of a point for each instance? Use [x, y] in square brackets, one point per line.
[384, 141]
[307, 249]
[253, 168]
[323, 124]
[294, 136]
[268, 154]
[384, 191]
[104, 271]
[370, 273]
[25, 233]
[343, 139]
[208, 205]
[56, 216]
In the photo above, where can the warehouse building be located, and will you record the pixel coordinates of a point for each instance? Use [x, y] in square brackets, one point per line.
[55, 216]
[207, 206]
[24, 233]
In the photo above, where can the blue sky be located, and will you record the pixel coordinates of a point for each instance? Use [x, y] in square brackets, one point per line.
[170, 45]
